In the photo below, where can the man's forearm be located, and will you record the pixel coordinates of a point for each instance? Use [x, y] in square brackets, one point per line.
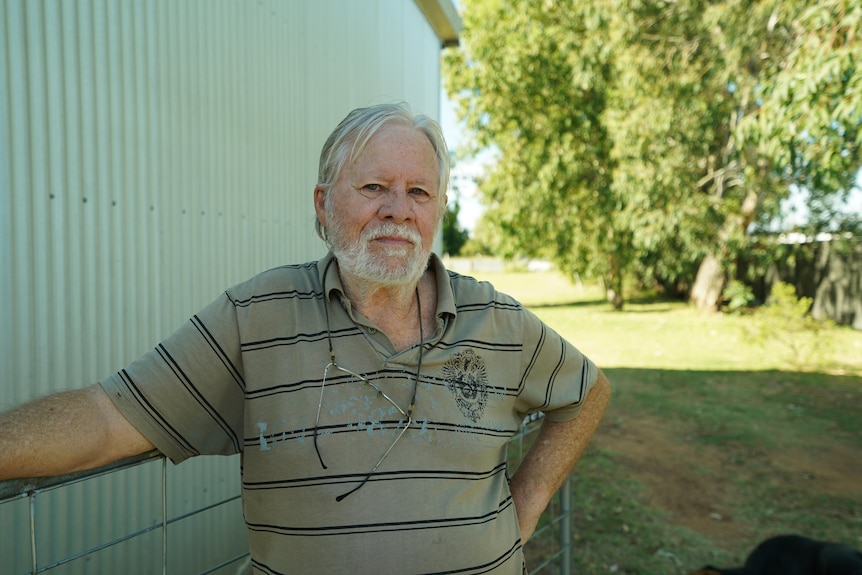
[552, 456]
[65, 432]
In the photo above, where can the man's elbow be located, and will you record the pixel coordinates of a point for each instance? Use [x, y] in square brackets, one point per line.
[597, 400]
[601, 391]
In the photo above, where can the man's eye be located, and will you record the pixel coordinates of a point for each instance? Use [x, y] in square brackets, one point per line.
[420, 194]
[372, 187]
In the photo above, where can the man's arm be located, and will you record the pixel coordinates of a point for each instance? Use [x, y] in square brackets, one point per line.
[65, 432]
[552, 456]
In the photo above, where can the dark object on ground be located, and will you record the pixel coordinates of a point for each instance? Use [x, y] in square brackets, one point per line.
[796, 555]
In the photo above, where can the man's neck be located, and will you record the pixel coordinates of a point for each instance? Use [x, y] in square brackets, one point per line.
[365, 296]
[395, 308]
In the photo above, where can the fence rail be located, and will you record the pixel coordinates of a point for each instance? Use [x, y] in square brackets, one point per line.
[549, 551]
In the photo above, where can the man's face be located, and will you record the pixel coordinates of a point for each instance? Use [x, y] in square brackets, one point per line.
[384, 210]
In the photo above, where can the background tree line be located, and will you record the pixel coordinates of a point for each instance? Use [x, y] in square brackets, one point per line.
[645, 140]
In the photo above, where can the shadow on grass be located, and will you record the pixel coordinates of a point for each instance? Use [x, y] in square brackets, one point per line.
[639, 304]
[696, 467]
[581, 303]
[800, 405]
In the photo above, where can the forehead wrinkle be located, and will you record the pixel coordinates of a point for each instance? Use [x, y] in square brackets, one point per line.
[387, 175]
[379, 161]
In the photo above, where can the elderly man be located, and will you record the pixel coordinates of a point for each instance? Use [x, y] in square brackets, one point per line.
[371, 394]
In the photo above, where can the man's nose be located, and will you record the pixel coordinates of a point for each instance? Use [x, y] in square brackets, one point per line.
[397, 206]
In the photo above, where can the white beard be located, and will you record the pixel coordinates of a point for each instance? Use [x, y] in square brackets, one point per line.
[396, 266]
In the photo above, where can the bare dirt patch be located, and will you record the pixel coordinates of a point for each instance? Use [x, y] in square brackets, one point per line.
[695, 483]
[684, 480]
[836, 470]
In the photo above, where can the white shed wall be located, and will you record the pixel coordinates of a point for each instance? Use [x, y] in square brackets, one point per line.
[153, 153]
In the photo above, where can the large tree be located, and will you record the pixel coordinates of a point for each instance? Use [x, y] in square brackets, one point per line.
[643, 135]
[795, 68]
[532, 84]
[599, 118]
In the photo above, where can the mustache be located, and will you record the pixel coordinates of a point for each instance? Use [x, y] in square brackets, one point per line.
[393, 230]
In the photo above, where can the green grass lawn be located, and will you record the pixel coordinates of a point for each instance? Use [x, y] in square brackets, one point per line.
[713, 441]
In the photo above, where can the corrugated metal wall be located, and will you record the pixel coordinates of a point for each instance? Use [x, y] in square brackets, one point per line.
[153, 153]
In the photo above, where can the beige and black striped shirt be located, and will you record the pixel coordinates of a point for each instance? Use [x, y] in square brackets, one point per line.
[244, 376]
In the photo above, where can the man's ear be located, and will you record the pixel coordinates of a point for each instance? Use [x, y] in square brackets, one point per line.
[320, 204]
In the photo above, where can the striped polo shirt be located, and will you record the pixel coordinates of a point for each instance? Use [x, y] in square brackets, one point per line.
[246, 375]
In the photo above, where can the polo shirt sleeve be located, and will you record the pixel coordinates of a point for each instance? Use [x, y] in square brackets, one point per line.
[186, 395]
[556, 376]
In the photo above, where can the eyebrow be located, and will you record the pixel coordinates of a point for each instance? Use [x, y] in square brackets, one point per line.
[378, 177]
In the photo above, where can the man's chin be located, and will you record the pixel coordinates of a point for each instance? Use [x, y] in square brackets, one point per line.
[395, 271]
[400, 273]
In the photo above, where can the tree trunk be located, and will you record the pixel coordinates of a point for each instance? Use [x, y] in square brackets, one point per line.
[709, 284]
[614, 288]
[711, 275]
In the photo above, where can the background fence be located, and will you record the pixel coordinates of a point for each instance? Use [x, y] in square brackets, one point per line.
[145, 545]
[828, 270]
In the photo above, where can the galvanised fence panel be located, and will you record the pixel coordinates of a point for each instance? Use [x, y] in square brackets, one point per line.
[143, 544]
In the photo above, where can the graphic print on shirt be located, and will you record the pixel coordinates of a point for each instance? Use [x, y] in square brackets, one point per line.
[467, 380]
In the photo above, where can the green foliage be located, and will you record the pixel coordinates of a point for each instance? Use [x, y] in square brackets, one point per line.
[453, 235]
[638, 136]
[480, 242]
[738, 296]
[810, 111]
[785, 322]
[785, 307]
[539, 102]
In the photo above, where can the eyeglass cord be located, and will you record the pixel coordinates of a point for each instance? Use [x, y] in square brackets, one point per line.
[333, 363]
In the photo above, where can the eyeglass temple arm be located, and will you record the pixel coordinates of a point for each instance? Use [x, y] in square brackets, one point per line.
[325, 370]
[320, 406]
[376, 465]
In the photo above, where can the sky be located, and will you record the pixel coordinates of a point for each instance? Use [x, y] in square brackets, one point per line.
[463, 173]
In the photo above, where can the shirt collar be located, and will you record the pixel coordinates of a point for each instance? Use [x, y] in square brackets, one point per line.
[445, 295]
[327, 270]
